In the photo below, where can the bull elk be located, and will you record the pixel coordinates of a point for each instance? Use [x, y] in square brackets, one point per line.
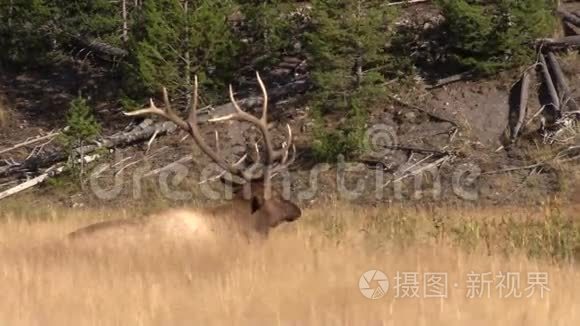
[256, 206]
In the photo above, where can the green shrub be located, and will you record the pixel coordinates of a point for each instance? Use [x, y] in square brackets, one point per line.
[330, 144]
[487, 37]
[346, 44]
[23, 32]
[81, 124]
[347, 139]
[270, 30]
[170, 42]
[81, 128]
[92, 20]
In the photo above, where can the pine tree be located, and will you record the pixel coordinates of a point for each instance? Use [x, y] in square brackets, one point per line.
[81, 123]
[153, 45]
[93, 20]
[172, 40]
[23, 28]
[81, 128]
[493, 36]
[270, 29]
[347, 43]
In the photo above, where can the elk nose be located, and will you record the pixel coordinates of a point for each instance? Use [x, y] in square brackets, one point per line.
[294, 214]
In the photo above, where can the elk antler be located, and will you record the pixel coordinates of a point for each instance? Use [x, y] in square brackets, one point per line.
[275, 160]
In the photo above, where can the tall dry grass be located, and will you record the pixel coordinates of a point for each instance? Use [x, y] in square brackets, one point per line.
[307, 273]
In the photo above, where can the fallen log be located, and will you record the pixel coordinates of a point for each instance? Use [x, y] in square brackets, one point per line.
[104, 50]
[408, 172]
[562, 85]
[451, 79]
[560, 157]
[568, 17]
[275, 96]
[183, 160]
[408, 2]
[29, 142]
[432, 115]
[51, 172]
[567, 42]
[573, 28]
[123, 139]
[549, 84]
[417, 149]
[522, 108]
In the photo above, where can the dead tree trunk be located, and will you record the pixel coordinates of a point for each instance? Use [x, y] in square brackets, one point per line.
[103, 50]
[29, 142]
[118, 140]
[561, 84]
[551, 44]
[524, 93]
[550, 84]
[407, 2]
[10, 13]
[572, 28]
[125, 35]
[51, 172]
[568, 17]
[451, 79]
[187, 59]
[123, 139]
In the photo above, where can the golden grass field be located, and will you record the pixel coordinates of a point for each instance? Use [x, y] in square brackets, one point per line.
[306, 273]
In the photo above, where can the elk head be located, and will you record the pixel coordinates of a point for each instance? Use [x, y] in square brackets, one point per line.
[268, 207]
[269, 212]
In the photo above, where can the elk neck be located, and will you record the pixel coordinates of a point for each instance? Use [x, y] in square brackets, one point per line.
[237, 213]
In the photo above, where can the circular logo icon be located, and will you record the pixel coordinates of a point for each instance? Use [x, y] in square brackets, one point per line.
[382, 139]
[373, 284]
